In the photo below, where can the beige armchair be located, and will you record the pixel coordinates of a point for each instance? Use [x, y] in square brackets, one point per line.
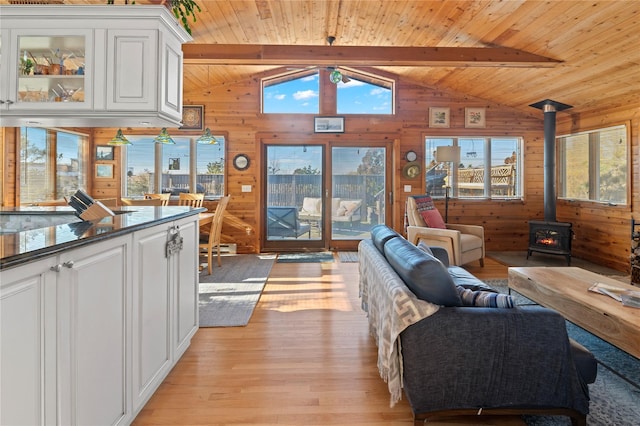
[464, 243]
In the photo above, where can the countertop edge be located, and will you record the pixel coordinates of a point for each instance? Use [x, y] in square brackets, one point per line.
[35, 255]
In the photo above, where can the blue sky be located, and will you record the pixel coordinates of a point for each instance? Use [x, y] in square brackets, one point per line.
[302, 96]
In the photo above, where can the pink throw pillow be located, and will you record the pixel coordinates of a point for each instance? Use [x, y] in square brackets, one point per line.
[433, 219]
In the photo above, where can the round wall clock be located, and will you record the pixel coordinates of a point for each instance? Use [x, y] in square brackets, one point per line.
[411, 156]
[411, 170]
[241, 162]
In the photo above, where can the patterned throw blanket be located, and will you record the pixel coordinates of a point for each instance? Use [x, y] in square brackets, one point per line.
[391, 307]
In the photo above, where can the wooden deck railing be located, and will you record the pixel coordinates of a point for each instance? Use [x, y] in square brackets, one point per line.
[471, 180]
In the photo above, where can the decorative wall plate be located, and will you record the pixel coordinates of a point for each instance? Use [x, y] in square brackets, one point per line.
[411, 170]
[241, 162]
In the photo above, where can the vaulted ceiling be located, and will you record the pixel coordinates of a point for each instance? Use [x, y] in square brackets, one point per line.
[514, 52]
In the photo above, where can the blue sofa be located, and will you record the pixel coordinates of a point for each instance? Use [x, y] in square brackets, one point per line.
[449, 357]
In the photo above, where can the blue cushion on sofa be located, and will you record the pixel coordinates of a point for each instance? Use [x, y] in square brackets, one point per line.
[425, 275]
[380, 234]
[486, 299]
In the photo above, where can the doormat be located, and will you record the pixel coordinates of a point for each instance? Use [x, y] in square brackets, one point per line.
[321, 257]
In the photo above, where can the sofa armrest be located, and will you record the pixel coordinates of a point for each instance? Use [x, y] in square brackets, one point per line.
[472, 358]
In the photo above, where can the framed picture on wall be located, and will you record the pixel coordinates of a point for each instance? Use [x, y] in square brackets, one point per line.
[104, 152]
[474, 117]
[328, 125]
[439, 117]
[192, 117]
[104, 171]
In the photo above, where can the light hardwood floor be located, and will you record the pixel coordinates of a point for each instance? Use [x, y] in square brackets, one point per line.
[306, 358]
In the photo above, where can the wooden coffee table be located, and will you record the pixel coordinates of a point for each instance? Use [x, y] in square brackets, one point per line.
[566, 290]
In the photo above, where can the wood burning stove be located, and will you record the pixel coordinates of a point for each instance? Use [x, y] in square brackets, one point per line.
[550, 238]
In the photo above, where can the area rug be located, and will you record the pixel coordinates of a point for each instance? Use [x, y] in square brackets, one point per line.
[519, 258]
[615, 395]
[229, 295]
[348, 256]
[319, 257]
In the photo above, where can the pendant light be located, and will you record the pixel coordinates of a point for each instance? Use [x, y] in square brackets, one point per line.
[207, 138]
[119, 139]
[164, 137]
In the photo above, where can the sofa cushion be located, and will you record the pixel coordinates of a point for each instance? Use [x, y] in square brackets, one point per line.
[311, 205]
[433, 219]
[487, 299]
[431, 216]
[463, 278]
[425, 275]
[380, 234]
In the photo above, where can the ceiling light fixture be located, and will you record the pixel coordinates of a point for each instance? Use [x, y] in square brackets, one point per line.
[164, 137]
[207, 138]
[119, 139]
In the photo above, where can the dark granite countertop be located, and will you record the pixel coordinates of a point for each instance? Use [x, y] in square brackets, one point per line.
[17, 248]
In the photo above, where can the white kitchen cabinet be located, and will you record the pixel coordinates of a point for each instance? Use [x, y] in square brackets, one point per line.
[122, 66]
[89, 333]
[65, 331]
[28, 348]
[165, 302]
[94, 293]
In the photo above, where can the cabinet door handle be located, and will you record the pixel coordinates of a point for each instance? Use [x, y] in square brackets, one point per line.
[68, 264]
[8, 101]
[56, 268]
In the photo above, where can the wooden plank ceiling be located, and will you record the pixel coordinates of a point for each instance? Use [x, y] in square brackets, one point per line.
[517, 52]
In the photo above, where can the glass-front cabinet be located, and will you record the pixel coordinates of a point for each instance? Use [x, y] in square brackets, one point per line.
[51, 67]
[90, 66]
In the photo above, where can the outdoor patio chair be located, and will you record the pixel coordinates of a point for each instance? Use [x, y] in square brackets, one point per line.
[284, 222]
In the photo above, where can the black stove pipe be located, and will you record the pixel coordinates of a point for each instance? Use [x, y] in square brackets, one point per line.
[549, 108]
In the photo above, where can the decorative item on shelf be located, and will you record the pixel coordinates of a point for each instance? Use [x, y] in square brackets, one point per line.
[449, 155]
[119, 139]
[241, 162]
[181, 9]
[207, 138]
[26, 64]
[164, 137]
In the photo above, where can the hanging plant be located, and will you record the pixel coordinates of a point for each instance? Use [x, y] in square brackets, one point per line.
[181, 9]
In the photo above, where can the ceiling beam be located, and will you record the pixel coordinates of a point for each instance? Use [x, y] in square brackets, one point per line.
[247, 54]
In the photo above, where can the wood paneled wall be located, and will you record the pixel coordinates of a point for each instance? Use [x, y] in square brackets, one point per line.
[602, 231]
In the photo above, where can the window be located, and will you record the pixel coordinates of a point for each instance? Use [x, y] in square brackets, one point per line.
[295, 94]
[358, 94]
[184, 167]
[594, 165]
[299, 93]
[52, 164]
[491, 160]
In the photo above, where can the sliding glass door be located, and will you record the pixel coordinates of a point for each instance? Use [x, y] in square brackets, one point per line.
[323, 196]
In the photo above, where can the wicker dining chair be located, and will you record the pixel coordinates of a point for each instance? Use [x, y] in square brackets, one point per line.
[213, 240]
[191, 199]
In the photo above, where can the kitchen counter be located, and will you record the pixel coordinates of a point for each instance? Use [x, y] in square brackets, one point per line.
[19, 247]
